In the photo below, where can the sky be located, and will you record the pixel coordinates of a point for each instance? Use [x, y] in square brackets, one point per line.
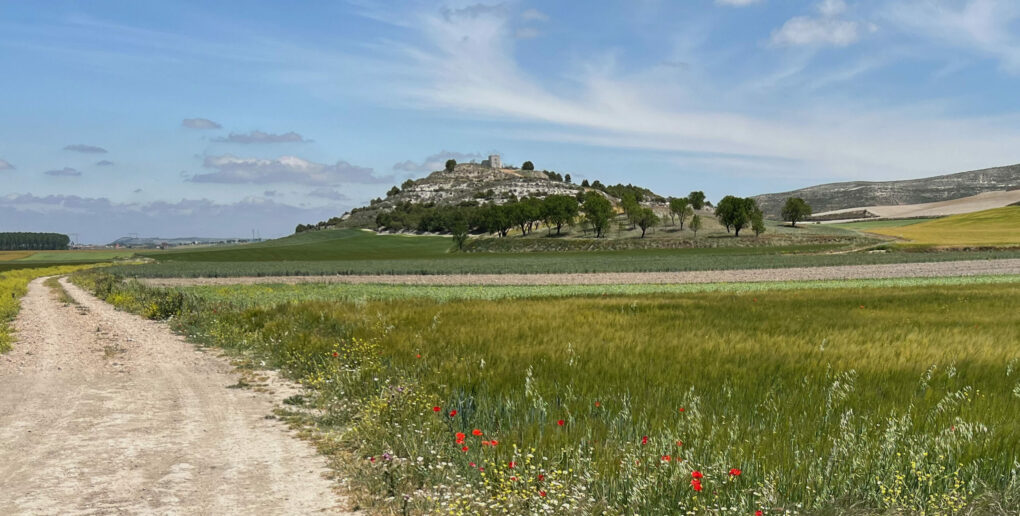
[217, 119]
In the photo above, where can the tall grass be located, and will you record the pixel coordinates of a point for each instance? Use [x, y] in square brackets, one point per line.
[868, 400]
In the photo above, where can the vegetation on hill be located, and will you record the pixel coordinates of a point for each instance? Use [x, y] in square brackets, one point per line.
[33, 241]
[14, 285]
[997, 227]
[827, 401]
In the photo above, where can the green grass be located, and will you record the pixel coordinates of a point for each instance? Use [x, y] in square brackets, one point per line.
[77, 256]
[866, 225]
[998, 227]
[640, 260]
[892, 399]
[272, 294]
[348, 244]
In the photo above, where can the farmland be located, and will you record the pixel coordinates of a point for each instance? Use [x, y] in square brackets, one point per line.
[12, 286]
[865, 397]
[998, 227]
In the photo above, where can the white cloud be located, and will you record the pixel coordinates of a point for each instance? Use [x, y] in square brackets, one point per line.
[987, 27]
[436, 161]
[5, 165]
[534, 15]
[285, 169]
[325, 192]
[258, 137]
[737, 3]
[830, 8]
[87, 149]
[63, 172]
[527, 33]
[804, 30]
[200, 123]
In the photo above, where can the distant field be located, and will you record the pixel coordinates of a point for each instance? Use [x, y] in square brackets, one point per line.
[866, 225]
[75, 256]
[998, 227]
[14, 255]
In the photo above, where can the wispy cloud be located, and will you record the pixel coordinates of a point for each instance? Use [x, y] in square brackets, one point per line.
[324, 192]
[6, 165]
[534, 15]
[828, 28]
[200, 123]
[285, 169]
[258, 137]
[63, 172]
[104, 163]
[87, 149]
[737, 3]
[436, 161]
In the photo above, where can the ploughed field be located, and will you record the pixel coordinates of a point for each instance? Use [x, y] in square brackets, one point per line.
[898, 397]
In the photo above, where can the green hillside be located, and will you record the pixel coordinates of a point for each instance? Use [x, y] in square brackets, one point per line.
[997, 227]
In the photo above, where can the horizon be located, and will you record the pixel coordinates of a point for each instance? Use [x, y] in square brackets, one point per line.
[217, 120]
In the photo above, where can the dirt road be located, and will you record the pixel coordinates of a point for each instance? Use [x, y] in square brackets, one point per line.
[895, 270]
[102, 412]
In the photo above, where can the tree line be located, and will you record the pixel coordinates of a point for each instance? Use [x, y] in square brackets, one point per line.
[33, 241]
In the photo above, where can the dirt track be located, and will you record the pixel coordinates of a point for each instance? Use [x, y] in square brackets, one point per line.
[102, 412]
[897, 270]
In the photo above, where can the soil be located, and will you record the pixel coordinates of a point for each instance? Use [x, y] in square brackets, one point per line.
[103, 412]
[897, 270]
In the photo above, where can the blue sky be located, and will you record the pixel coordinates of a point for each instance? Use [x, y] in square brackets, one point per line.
[213, 119]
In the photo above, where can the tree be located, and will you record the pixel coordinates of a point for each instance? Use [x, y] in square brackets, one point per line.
[631, 208]
[393, 191]
[678, 207]
[459, 228]
[757, 222]
[695, 224]
[451, 164]
[558, 210]
[566, 178]
[585, 183]
[646, 218]
[597, 211]
[796, 209]
[697, 199]
[736, 212]
[407, 184]
[527, 165]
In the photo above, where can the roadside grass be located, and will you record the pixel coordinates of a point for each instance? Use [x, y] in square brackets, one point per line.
[640, 260]
[54, 285]
[898, 399]
[997, 227]
[14, 285]
[273, 294]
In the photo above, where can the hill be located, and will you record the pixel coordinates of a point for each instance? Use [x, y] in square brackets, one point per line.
[855, 194]
[998, 227]
[979, 202]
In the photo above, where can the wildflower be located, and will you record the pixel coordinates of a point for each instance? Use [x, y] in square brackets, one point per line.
[735, 472]
[758, 513]
[493, 442]
[512, 464]
[597, 404]
[417, 356]
[682, 409]
[335, 354]
[696, 484]
[371, 459]
[464, 449]
[436, 409]
[696, 475]
[679, 443]
[666, 458]
[541, 493]
[541, 477]
[560, 422]
[644, 439]
[460, 437]
[485, 443]
[453, 413]
[513, 479]
[472, 464]
[386, 456]
[476, 432]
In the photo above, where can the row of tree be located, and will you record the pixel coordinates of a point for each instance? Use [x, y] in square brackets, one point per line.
[33, 241]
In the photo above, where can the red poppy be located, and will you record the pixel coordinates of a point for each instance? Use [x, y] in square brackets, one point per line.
[541, 477]
[513, 479]
[512, 464]
[485, 443]
[696, 484]
[735, 472]
[464, 449]
[476, 432]
[436, 409]
[541, 493]
[679, 443]
[682, 409]
[453, 413]
[371, 459]
[472, 464]
[644, 440]
[696, 475]
[460, 437]
[560, 422]
[597, 404]
[666, 458]
[417, 356]
[758, 513]
[493, 442]
[335, 354]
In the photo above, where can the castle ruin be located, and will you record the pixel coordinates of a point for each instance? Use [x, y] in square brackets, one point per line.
[493, 162]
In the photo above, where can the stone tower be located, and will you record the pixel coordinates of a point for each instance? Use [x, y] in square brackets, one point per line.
[495, 162]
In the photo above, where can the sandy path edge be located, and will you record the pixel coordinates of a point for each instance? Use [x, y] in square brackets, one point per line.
[104, 412]
[883, 271]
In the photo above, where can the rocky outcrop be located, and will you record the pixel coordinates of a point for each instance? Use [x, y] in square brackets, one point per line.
[838, 196]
